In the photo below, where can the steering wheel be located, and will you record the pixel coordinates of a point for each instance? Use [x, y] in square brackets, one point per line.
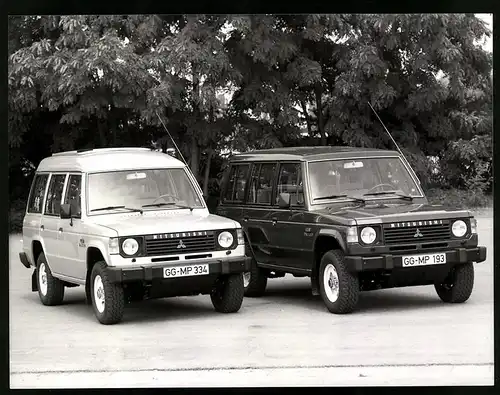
[380, 185]
[164, 196]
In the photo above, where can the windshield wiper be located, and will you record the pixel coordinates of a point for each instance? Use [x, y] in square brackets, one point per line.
[357, 199]
[167, 204]
[401, 195]
[115, 207]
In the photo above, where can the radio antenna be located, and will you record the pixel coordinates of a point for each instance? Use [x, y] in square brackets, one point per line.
[389, 133]
[173, 141]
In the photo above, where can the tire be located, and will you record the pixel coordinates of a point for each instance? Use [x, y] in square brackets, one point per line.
[458, 285]
[344, 298]
[108, 300]
[254, 281]
[227, 295]
[50, 289]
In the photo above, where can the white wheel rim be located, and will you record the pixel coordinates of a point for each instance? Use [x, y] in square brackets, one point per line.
[99, 297]
[331, 283]
[246, 279]
[42, 279]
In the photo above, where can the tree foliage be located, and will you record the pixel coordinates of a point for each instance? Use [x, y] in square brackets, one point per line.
[96, 81]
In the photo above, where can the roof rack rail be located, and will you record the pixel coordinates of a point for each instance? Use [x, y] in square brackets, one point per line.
[100, 150]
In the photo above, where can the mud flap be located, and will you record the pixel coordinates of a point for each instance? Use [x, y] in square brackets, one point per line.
[314, 282]
[88, 297]
[34, 283]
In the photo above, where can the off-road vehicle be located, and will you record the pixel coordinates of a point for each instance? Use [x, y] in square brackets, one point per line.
[128, 224]
[352, 219]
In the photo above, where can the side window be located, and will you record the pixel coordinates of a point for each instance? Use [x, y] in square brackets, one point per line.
[54, 194]
[73, 194]
[290, 181]
[37, 192]
[235, 187]
[261, 187]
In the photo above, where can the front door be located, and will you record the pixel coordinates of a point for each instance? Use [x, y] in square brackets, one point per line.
[71, 241]
[50, 223]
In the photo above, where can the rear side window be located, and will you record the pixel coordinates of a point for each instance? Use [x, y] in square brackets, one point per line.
[74, 195]
[261, 187]
[236, 184]
[54, 194]
[37, 192]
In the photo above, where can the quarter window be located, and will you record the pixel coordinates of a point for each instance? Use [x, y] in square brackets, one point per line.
[290, 181]
[261, 188]
[38, 191]
[54, 194]
[73, 194]
[236, 184]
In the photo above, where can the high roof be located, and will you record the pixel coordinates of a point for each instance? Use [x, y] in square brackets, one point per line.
[311, 153]
[108, 159]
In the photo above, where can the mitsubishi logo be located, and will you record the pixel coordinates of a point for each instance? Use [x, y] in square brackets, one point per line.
[181, 244]
[417, 234]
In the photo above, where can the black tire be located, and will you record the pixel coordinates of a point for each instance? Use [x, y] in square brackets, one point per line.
[114, 299]
[258, 281]
[54, 294]
[348, 284]
[458, 285]
[227, 295]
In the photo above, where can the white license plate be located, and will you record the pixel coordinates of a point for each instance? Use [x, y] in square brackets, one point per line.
[185, 271]
[424, 260]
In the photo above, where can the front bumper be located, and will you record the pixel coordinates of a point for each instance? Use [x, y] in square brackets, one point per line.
[150, 273]
[389, 261]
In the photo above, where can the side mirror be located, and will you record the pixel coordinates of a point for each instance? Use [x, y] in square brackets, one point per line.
[65, 211]
[284, 200]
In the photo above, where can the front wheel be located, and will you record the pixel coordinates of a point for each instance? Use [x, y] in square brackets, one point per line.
[227, 295]
[108, 299]
[458, 285]
[254, 281]
[337, 286]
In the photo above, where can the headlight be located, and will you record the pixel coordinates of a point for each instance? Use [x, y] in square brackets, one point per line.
[225, 239]
[459, 228]
[368, 235]
[130, 246]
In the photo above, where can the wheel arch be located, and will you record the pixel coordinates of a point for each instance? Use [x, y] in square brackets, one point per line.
[325, 240]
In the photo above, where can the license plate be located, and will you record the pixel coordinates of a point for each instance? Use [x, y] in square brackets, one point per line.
[185, 271]
[424, 260]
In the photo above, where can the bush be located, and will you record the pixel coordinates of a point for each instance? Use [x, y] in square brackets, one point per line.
[459, 198]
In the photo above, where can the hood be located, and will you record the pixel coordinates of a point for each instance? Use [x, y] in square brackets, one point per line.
[387, 213]
[165, 221]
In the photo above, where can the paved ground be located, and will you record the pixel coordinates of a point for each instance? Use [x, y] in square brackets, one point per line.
[397, 337]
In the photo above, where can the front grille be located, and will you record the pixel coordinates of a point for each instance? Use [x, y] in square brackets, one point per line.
[180, 245]
[417, 234]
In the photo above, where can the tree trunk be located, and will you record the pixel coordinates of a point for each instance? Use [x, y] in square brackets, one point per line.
[207, 172]
[102, 136]
[195, 157]
[319, 109]
[306, 115]
[195, 102]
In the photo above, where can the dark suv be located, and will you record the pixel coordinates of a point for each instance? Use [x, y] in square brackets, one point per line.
[352, 219]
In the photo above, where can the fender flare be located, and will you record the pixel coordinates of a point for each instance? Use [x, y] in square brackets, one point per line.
[247, 240]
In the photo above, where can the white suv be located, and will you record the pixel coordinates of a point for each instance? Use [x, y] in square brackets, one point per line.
[128, 224]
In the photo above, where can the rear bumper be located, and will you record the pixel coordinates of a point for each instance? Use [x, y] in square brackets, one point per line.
[215, 267]
[24, 260]
[389, 262]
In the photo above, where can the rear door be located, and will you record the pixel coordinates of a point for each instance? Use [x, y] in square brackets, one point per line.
[233, 193]
[259, 211]
[50, 223]
[71, 241]
[33, 216]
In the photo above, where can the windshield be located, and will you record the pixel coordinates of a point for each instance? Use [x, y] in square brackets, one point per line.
[161, 189]
[372, 176]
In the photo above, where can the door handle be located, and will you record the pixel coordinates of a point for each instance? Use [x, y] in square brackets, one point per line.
[60, 229]
[274, 219]
[245, 218]
[42, 227]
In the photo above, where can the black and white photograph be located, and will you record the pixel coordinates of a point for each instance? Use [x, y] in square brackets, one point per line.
[250, 200]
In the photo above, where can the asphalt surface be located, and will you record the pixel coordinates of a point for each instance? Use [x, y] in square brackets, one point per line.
[286, 338]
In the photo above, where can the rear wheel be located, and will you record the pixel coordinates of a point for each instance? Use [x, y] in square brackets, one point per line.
[457, 286]
[50, 289]
[338, 287]
[108, 299]
[227, 295]
[254, 281]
